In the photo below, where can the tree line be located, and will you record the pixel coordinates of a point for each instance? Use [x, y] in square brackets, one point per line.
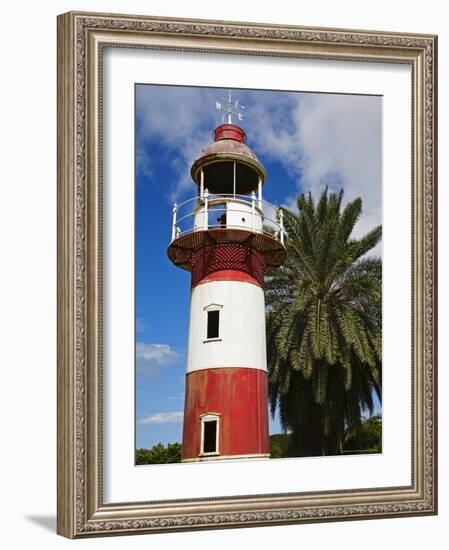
[368, 439]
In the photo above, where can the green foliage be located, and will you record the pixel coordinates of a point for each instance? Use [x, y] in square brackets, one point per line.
[279, 446]
[366, 437]
[159, 454]
[324, 325]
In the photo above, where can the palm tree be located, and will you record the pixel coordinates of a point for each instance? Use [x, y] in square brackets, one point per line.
[324, 325]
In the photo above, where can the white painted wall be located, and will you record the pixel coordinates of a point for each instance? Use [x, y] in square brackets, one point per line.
[239, 214]
[241, 341]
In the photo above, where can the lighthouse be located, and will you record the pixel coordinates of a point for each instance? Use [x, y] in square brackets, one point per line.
[228, 238]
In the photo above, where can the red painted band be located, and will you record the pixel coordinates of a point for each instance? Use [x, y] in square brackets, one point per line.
[229, 275]
[239, 396]
[229, 131]
[227, 256]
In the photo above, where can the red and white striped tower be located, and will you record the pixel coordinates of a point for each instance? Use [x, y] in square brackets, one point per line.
[219, 236]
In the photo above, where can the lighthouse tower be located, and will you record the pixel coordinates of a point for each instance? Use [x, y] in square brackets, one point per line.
[220, 236]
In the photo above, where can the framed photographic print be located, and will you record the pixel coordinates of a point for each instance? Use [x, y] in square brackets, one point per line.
[246, 274]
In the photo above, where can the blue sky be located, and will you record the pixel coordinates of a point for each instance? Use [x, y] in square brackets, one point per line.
[304, 140]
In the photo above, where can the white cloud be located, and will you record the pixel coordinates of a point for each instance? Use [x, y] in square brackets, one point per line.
[341, 136]
[150, 357]
[161, 418]
[143, 163]
[273, 131]
[330, 139]
[180, 118]
[177, 397]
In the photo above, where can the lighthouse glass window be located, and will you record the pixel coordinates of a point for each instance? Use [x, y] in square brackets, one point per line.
[258, 273]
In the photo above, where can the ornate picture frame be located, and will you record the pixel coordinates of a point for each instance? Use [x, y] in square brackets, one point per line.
[82, 38]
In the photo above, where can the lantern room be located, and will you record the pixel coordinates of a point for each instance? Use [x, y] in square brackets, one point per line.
[228, 206]
[228, 166]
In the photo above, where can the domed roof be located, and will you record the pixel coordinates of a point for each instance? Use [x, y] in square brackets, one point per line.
[226, 146]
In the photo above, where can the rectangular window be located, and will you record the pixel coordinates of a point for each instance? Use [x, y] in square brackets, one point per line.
[210, 436]
[213, 319]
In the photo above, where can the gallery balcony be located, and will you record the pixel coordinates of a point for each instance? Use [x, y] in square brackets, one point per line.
[227, 218]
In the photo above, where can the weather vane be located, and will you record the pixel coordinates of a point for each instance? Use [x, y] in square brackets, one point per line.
[230, 107]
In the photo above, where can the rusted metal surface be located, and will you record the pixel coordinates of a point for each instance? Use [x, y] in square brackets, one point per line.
[180, 250]
[240, 397]
[227, 256]
[228, 146]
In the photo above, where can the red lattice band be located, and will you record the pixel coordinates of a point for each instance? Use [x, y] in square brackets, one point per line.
[227, 256]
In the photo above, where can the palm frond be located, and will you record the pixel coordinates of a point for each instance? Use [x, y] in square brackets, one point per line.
[324, 324]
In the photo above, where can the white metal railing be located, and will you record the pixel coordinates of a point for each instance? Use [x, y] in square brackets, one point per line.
[197, 207]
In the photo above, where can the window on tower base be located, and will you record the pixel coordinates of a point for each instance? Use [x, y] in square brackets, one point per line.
[210, 429]
[210, 437]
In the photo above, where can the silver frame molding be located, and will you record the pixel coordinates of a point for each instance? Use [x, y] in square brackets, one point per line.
[81, 38]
